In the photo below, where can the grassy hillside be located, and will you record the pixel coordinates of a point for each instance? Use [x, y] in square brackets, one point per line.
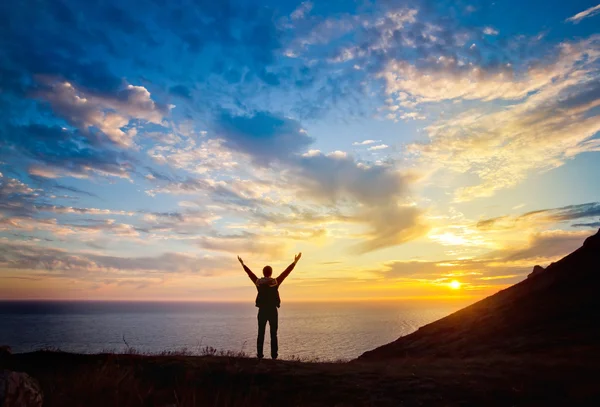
[172, 380]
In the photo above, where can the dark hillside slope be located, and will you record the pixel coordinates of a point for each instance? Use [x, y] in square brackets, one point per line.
[555, 310]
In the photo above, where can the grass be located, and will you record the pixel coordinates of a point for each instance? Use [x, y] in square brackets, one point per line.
[202, 351]
[221, 378]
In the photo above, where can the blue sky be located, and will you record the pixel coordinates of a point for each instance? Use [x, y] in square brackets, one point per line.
[399, 145]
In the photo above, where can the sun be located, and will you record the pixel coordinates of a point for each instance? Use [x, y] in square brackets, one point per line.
[455, 285]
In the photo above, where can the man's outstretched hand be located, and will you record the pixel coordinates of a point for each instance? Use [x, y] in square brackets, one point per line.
[297, 257]
[241, 261]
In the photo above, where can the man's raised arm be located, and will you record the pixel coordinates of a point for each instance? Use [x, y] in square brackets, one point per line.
[248, 271]
[288, 270]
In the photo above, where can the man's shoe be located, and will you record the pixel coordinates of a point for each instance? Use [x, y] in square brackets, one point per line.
[259, 356]
[273, 357]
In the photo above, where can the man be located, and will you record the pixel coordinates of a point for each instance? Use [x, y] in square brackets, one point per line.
[267, 301]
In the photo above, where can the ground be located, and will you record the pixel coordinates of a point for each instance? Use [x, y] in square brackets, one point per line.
[183, 380]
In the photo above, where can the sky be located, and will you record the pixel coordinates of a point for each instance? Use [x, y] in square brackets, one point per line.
[401, 146]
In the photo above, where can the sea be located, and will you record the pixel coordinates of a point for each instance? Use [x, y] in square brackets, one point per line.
[308, 331]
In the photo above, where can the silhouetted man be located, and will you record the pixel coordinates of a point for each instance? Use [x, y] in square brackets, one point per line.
[267, 301]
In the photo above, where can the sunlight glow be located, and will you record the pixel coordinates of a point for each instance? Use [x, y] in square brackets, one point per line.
[455, 285]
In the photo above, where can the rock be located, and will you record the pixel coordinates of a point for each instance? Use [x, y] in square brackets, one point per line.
[536, 270]
[18, 389]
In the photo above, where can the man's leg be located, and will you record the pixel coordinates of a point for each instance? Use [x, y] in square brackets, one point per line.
[262, 325]
[273, 325]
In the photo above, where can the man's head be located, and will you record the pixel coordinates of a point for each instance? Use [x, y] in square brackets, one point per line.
[267, 271]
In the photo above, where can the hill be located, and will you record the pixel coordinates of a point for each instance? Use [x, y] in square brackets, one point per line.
[556, 310]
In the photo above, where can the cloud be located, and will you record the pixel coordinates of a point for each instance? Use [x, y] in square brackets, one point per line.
[437, 76]
[53, 152]
[82, 211]
[269, 206]
[25, 209]
[341, 53]
[448, 78]
[21, 206]
[387, 31]
[190, 222]
[368, 46]
[87, 227]
[16, 198]
[411, 269]
[332, 177]
[542, 216]
[165, 263]
[379, 190]
[324, 31]
[326, 179]
[546, 246]
[365, 142]
[235, 192]
[55, 186]
[329, 179]
[264, 136]
[97, 139]
[302, 10]
[391, 225]
[196, 157]
[590, 12]
[569, 212]
[378, 147]
[85, 266]
[503, 145]
[587, 225]
[244, 243]
[490, 31]
[109, 113]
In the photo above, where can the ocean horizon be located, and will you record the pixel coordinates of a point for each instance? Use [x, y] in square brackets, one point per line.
[311, 330]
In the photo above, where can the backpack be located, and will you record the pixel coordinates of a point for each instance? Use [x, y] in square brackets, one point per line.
[268, 293]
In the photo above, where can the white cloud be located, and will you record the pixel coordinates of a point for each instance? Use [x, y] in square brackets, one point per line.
[199, 158]
[412, 116]
[82, 211]
[311, 153]
[365, 142]
[379, 30]
[337, 154]
[378, 147]
[109, 113]
[590, 12]
[490, 31]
